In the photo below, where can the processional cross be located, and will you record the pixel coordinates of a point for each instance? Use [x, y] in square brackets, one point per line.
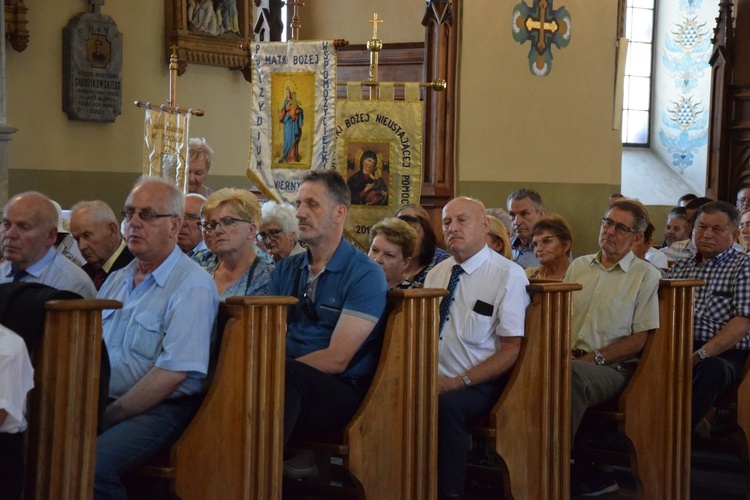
[296, 23]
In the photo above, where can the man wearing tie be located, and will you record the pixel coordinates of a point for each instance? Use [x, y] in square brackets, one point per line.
[29, 231]
[481, 325]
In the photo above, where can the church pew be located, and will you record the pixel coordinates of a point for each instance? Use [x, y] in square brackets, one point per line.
[63, 404]
[389, 448]
[233, 447]
[654, 410]
[529, 427]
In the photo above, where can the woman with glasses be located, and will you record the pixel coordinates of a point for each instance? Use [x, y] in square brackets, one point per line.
[551, 240]
[278, 230]
[426, 252]
[392, 243]
[230, 218]
[497, 238]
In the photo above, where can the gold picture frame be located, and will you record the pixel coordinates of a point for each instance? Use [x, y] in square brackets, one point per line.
[221, 40]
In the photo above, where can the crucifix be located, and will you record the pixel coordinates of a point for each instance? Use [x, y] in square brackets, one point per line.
[541, 25]
[295, 24]
[374, 45]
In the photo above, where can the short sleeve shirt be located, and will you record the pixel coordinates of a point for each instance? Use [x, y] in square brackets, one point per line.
[726, 294]
[16, 380]
[351, 284]
[614, 303]
[166, 321]
[489, 303]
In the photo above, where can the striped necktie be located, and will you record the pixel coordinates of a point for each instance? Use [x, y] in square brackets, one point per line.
[445, 304]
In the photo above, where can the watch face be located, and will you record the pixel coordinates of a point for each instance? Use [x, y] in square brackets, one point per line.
[599, 359]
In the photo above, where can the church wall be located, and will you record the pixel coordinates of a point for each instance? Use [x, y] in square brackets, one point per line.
[553, 133]
[514, 129]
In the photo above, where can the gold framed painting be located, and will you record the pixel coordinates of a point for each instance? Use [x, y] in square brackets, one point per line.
[213, 32]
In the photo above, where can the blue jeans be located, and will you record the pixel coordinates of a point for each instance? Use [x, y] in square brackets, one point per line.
[129, 444]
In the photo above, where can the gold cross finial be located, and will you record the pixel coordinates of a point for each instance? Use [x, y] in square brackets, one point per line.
[375, 22]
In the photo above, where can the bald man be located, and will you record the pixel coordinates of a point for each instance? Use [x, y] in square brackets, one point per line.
[29, 231]
[481, 325]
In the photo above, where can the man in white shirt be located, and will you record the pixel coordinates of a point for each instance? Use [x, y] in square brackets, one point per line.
[481, 325]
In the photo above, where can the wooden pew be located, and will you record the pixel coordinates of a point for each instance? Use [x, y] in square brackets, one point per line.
[233, 448]
[390, 446]
[529, 427]
[63, 404]
[654, 410]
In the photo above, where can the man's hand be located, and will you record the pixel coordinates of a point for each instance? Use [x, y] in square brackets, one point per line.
[446, 384]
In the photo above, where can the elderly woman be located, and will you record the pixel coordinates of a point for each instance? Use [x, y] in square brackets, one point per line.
[200, 156]
[552, 241]
[278, 230]
[497, 238]
[230, 217]
[392, 243]
[426, 253]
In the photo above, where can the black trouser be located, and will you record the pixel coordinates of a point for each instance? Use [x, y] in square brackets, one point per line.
[712, 376]
[317, 402]
[11, 465]
[455, 411]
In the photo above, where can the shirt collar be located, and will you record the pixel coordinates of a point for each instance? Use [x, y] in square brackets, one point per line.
[475, 261]
[625, 263]
[37, 267]
[161, 273]
[112, 258]
[337, 261]
[517, 243]
[726, 254]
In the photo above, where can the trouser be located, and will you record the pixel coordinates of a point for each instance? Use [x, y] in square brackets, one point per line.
[712, 376]
[127, 445]
[317, 402]
[593, 384]
[455, 411]
[11, 465]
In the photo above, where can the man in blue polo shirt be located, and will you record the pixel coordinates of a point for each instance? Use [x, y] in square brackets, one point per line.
[331, 332]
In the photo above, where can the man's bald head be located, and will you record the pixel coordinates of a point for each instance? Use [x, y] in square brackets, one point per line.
[29, 228]
[464, 227]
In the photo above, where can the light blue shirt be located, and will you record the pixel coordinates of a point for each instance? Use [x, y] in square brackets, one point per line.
[166, 321]
[55, 270]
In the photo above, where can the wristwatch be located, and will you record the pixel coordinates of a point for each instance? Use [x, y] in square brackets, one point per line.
[702, 354]
[466, 379]
[598, 358]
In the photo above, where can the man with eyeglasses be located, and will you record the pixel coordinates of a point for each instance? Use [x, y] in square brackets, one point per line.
[190, 237]
[28, 234]
[612, 316]
[95, 229]
[722, 307]
[158, 343]
[332, 332]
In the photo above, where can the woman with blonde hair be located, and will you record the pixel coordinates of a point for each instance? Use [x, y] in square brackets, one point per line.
[498, 239]
[231, 217]
[551, 240]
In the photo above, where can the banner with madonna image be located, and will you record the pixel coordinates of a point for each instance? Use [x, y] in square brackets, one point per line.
[165, 146]
[379, 153]
[292, 114]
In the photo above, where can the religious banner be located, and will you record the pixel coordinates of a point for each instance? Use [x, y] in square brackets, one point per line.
[292, 117]
[379, 153]
[165, 146]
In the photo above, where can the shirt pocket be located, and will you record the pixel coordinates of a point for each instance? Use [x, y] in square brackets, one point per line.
[147, 340]
[719, 305]
[476, 329]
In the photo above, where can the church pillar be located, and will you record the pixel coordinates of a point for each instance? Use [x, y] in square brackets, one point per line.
[5, 130]
[441, 24]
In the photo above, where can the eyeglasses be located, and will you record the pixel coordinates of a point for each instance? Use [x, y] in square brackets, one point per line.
[619, 227]
[308, 307]
[547, 240]
[226, 222]
[145, 215]
[272, 235]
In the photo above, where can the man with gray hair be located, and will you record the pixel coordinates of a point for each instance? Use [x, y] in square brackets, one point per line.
[722, 308]
[525, 208]
[190, 237]
[158, 343]
[29, 231]
[612, 316]
[278, 230]
[97, 233]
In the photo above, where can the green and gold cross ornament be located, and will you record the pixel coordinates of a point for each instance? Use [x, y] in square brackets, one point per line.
[544, 27]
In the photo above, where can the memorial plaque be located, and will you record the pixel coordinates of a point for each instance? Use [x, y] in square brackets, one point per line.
[92, 68]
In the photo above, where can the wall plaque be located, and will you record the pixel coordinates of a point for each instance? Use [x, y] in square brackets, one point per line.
[92, 68]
